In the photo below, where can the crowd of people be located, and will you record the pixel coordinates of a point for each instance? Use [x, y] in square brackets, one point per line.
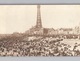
[36, 46]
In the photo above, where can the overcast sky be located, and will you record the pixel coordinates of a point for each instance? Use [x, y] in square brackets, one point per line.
[19, 18]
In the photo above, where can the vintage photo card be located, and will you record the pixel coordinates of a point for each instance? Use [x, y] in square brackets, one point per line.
[39, 30]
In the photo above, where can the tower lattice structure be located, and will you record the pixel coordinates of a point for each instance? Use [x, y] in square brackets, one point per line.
[39, 22]
[37, 29]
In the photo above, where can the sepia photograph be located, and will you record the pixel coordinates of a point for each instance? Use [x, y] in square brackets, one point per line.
[39, 30]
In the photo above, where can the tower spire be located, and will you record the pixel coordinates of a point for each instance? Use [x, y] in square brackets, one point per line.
[38, 23]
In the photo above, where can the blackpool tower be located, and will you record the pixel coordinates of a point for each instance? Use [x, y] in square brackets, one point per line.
[39, 22]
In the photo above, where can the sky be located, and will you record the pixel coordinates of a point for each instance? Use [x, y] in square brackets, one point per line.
[19, 18]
